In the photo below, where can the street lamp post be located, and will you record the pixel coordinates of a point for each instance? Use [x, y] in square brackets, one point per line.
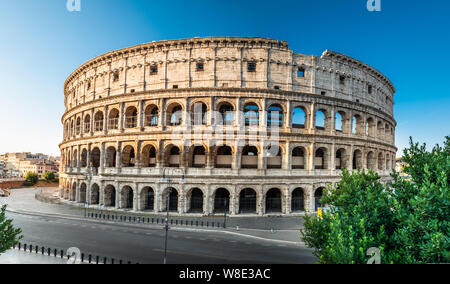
[169, 181]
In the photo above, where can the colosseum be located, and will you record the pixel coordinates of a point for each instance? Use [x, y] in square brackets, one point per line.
[191, 125]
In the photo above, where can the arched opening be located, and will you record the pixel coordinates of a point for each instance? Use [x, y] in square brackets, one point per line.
[128, 157]
[111, 154]
[173, 156]
[73, 192]
[148, 199]
[274, 159]
[149, 156]
[298, 158]
[226, 111]
[173, 199]
[113, 121]
[370, 127]
[127, 197]
[299, 118]
[199, 157]
[98, 121]
[87, 124]
[273, 201]
[78, 126]
[340, 121]
[95, 194]
[83, 161]
[317, 198]
[298, 201]
[75, 158]
[388, 163]
[320, 120]
[151, 115]
[131, 117]
[320, 161]
[250, 157]
[95, 157]
[356, 124]
[72, 128]
[247, 201]
[82, 193]
[251, 114]
[275, 116]
[380, 130]
[371, 163]
[196, 201]
[222, 200]
[174, 115]
[357, 160]
[340, 159]
[380, 162]
[224, 157]
[110, 196]
[199, 113]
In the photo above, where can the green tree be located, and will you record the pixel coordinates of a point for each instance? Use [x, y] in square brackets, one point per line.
[31, 178]
[9, 236]
[49, 176]
[408, 220]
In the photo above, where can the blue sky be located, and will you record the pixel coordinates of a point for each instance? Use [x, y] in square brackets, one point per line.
[42, 43]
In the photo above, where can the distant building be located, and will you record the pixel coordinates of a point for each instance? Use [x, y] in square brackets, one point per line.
[16, 165]
[399, 166]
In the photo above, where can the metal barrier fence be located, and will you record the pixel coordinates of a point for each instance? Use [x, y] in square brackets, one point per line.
[150, 220]
[59, 253]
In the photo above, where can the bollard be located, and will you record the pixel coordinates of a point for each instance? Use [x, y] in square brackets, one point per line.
[207, 223]
[55, 252]
[196, 223]
[20, 245]
[181, 222]
[31, 248]
[104, 260]
[82, 257]
[202, 223]
[36, 249]
[112, 260]
[62, 254]
[96, 259]
[49, 251]
[176, 222]
[24, 247]
[42, 250]
[90, 259]
[120, 261]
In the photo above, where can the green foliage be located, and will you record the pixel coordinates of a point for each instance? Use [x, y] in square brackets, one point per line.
[31, 178]
[408, 220]
[9, 236]
[49, 176]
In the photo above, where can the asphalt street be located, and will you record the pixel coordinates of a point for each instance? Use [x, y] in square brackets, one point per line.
[146, 245]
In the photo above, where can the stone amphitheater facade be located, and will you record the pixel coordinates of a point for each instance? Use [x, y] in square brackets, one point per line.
[193, 119]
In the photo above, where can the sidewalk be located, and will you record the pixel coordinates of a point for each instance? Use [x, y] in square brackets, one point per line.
[279, 229]
[21, 257]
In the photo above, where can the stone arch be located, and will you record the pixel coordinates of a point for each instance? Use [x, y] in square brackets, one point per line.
[370, 127]
[173, 199]
[380, 162]
[341, 159]
[73, 191]
[380, 130]
[320, 121]
[357, 159]
[371, 161]
[98, 121]
[251, 114]
[127, 197]
[221, 200]
[247, 200]
[151, 115]
[274, 157]
[111, 156]
[78, 126]
[75, 158]
[148, 198]
[340, 121]
[318, 194]
[131, 115]
[128, 156]
[226, 113]
[148, 157]
[299, 160]
[194, 198]
[275, 115]
[113, 119]
[83, 193]
[83, 162]
[321, 158]
[110, 196]
[250, 155]
[357, 124]
[299, 117]
[174, 114]
[95, 157]
[87, 123]
[172, 154]
[274, 202]
[223, 157]
[298, 200]
[95, 194]
[199, 113]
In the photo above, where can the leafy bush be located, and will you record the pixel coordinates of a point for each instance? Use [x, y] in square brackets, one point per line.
[49, 176]
[31, 178]
[408, 220]
[9, 236]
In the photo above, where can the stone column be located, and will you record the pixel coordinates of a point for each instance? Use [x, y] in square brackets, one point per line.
[260, 204]
[136, 198]
[102, 157]
[122, 117]
[118, 196]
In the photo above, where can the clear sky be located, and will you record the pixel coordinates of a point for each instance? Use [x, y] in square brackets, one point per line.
[42, 43]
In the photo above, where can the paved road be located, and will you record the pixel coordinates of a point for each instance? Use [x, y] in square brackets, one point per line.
[146, 245]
